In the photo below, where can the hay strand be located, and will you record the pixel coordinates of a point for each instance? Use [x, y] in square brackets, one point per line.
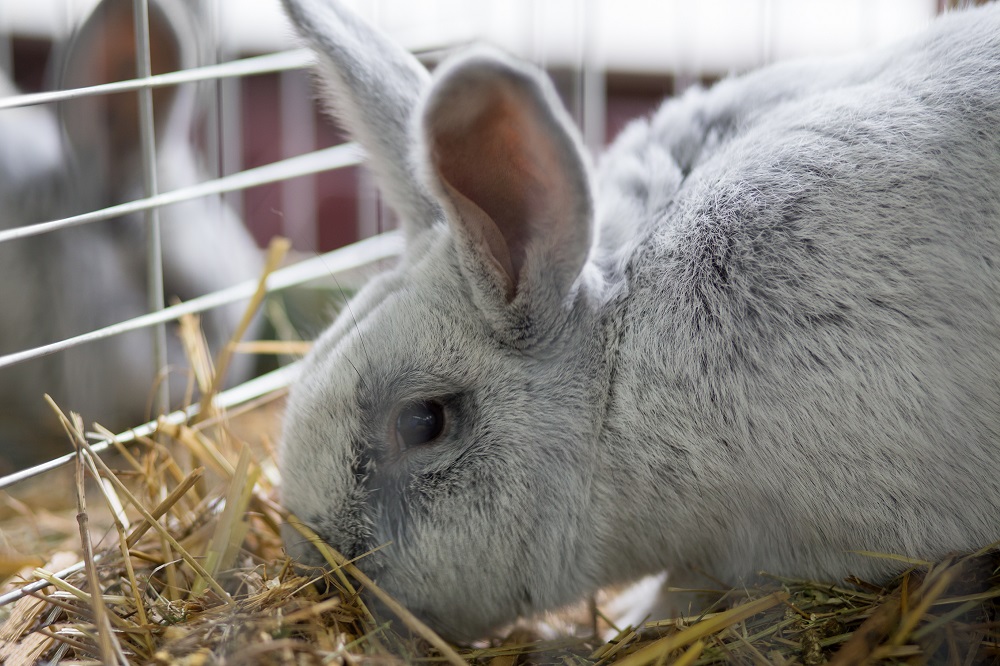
[276, 252]
[110, 648]
[711, 625]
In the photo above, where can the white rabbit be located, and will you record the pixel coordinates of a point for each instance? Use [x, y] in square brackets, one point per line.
[76, 280]
[765, 335]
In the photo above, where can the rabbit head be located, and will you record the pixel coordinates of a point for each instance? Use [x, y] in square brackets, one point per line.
[454, 396]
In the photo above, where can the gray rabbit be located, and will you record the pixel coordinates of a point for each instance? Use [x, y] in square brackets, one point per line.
[765, 334]
[85, 157]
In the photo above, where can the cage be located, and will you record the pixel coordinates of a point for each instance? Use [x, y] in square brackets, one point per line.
[252, 156]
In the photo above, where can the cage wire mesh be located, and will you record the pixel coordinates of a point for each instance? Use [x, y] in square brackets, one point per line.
[266, 147]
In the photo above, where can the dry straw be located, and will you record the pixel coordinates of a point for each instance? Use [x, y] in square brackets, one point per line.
[177, 559]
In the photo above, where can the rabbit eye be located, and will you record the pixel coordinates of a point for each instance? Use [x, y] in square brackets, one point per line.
[419, 423]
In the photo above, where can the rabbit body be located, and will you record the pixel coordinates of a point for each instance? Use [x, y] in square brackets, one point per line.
[782, 346]
[814, 299]
[83, 158]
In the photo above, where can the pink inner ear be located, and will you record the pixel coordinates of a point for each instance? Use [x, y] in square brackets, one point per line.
[498, 155]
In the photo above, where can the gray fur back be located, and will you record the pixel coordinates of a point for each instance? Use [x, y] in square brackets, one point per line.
[817, 287]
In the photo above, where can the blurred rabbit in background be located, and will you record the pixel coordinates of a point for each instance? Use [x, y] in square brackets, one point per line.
[85, 157]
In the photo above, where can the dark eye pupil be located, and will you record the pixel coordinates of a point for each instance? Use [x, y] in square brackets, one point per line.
[419, 423]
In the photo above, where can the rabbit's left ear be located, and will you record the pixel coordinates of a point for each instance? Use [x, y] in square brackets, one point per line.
[510, 169]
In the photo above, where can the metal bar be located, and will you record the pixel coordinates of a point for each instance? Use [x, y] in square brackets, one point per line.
[297, 134]
[231, 135]
[245, 392]
[255, 388]
[209, 42]
[272, 62]
[335, 157]
[357, 255]
[593, 90]
[154, 247]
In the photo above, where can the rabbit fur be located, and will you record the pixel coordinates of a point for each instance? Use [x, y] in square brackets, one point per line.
[764, 335]
[84, 157]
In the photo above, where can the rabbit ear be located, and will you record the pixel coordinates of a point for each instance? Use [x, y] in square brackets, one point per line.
[374, 86]
[103, 130]
[507, 162]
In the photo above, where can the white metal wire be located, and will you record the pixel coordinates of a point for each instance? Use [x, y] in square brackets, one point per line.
[335, 157]
[330, 265]
[264, 64]
[249, 390]
[298, 135]
[376, 249]
[255, 388]
[357, 255]
[336, 262]
[154, 245]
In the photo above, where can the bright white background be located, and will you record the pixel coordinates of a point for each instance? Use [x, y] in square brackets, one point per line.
[623, 35]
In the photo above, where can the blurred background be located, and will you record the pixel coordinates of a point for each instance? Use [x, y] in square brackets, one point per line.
[612, 60]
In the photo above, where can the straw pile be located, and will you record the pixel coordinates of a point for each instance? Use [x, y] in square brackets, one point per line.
[182, 564]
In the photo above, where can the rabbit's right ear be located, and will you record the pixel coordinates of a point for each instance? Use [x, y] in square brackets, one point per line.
[514, 178]
[375, 87]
